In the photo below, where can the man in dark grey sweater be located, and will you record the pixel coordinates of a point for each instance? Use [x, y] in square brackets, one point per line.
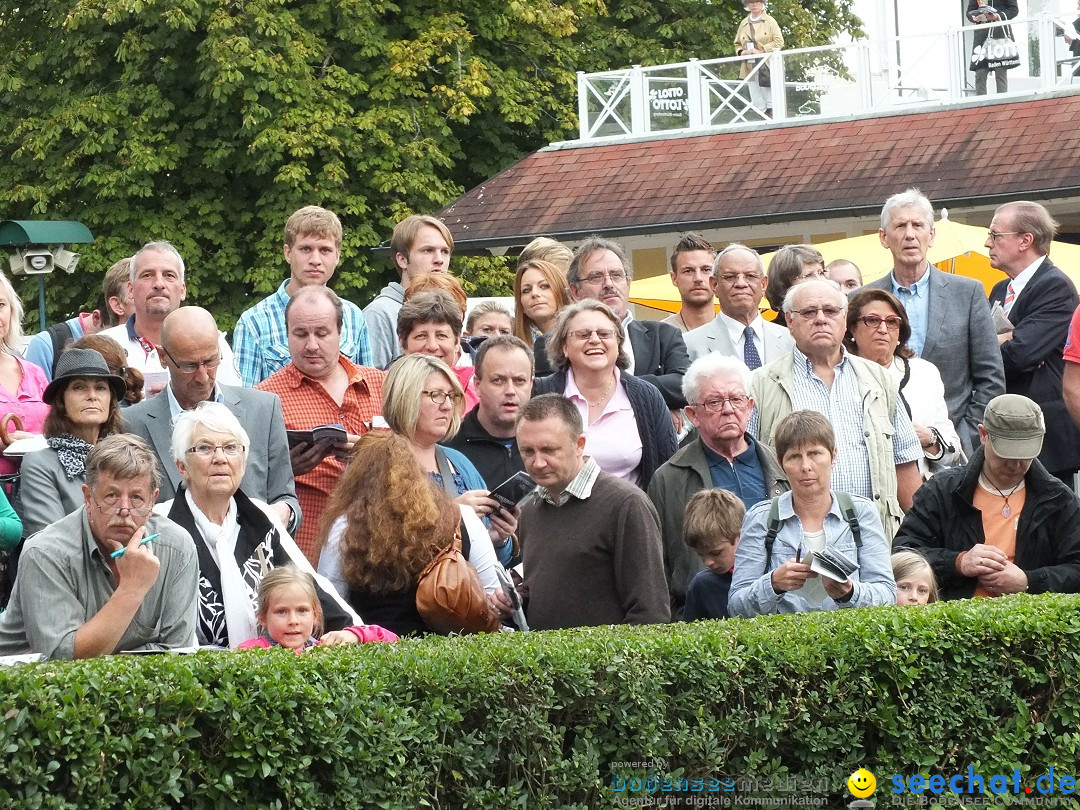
[591, 542]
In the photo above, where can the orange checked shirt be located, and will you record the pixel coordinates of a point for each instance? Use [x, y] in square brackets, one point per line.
[306, 405]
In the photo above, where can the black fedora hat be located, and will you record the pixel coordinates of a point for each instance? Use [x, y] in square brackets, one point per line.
[82, 363]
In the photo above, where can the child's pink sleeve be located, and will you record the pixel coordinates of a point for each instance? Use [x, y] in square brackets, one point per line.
[254, 643]
[371, 632]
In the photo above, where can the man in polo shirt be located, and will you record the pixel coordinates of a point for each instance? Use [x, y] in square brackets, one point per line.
[723, 455]
[320, 386]
[877, 442]
[1001, 524]
[312, 249]
[591, 541]
[691, 273]
[190, 351]
[157, 288]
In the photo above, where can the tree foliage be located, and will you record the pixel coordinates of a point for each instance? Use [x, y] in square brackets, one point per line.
[207, 122]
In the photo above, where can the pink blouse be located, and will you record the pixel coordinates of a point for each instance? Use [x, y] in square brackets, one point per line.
[26, 403]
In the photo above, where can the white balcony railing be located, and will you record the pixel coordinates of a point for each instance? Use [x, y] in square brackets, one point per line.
[807, 83]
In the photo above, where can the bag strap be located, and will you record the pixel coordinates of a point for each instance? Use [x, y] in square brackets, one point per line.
[61, 336]
[446, 472]
[774, 528]
[847, 509]
[461, 538]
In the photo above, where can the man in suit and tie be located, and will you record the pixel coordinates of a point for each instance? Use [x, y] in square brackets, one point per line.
[738, 330]
[656, 350]
[949, 314]
[189, 350]
[1039, 300]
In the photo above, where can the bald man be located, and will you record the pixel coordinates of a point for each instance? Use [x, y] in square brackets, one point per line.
[190, 351]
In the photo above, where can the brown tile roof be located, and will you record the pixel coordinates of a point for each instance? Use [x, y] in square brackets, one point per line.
[973, 153]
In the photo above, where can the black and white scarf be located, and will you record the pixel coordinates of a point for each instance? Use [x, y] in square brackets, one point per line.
[72, 453]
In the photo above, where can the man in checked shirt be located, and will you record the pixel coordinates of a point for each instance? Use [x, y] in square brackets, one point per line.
[321, 387]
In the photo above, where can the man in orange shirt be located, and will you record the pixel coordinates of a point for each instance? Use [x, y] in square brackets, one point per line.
[321, 387]
[1001, 524]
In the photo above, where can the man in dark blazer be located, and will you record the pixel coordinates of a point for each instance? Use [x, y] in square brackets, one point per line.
[657, 352]
[189, 351]
[950, 318]
[1039, 300]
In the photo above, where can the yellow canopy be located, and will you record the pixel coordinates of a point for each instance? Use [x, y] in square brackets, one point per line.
[957, 248]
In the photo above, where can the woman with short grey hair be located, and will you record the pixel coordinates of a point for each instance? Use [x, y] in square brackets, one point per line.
[238, 539]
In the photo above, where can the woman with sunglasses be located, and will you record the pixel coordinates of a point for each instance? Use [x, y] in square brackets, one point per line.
[878, 330]
[627, 425]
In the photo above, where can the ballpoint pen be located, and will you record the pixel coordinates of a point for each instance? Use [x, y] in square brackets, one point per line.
[120, 551]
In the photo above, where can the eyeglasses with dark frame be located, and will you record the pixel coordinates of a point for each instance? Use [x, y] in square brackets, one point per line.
[892, 322]
[993, 236]
[737, 402]
[439, 397]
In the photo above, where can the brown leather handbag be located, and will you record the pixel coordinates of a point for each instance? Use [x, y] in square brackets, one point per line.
[449, 596]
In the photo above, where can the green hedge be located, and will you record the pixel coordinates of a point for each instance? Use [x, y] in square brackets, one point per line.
[536, 721]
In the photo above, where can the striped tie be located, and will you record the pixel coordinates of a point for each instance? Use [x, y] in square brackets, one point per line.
[1010, 296]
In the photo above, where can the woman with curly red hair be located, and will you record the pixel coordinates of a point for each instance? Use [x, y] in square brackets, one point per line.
[385, 522]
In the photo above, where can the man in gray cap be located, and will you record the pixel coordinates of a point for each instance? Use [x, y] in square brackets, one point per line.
[1001, 524]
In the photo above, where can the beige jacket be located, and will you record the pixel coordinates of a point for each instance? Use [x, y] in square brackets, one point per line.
[768, 38]
[772, 390]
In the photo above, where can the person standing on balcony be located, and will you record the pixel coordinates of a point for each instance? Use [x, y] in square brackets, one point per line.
[990, 11]
[758, 34]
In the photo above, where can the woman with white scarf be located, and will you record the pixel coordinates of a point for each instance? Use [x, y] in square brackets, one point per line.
[239, 539]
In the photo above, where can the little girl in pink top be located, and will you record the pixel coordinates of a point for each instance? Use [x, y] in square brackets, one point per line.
[291, 616]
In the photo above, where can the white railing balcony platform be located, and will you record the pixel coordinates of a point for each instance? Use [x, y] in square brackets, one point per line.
[830, 81]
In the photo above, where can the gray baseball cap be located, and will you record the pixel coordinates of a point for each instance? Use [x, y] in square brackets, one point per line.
[1015, 426]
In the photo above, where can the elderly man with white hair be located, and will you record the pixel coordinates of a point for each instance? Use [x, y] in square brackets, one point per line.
[723, 454]
[878, 446]
[238, 539]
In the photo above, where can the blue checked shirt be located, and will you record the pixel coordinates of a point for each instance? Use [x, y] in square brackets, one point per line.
[261, 343]
[842, 404]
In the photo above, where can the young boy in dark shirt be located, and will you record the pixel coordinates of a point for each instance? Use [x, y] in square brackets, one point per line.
[711, 527]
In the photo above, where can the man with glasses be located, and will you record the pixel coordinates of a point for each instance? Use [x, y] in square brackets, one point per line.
[157, 288]
[723, 454]
[321, 387]
[949, 315]
[738, 330]
[656, 350]
[1039, 300]
[109, 577]
[191, 352]
[878, 446]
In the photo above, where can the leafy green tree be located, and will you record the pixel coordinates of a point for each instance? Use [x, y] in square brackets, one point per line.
[207, 122]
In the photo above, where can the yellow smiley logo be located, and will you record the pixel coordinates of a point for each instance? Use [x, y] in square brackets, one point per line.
[861, 783]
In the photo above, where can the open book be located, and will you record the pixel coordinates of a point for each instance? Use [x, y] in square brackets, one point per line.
[320, 434]
[832, 564]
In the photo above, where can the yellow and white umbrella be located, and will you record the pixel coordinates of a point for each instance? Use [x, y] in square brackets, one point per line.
[957, 249]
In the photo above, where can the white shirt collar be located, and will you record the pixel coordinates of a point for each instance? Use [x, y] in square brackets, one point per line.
[1021, 280]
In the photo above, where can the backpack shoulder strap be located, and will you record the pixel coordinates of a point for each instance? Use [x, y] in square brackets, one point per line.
[61, 336]
[773, 530]
[847, 509]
